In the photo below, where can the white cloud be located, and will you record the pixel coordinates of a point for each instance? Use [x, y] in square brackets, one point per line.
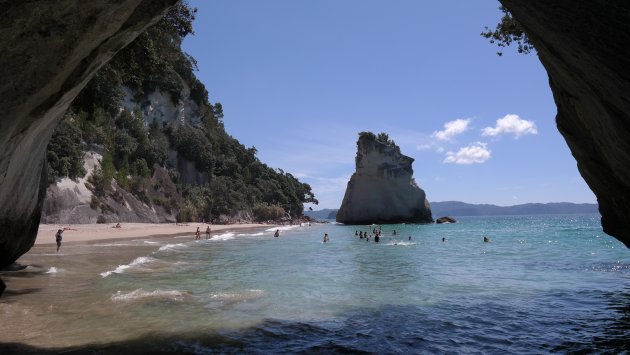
[474, 153]
[511, 124]
[452, 128]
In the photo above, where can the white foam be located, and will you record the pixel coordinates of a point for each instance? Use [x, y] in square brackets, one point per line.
[52, 270]
[121, 268]
[150, 242]
[172, 246]
[175, 295]
[404, 244]
[114, 245]
[224, 236]
[283, 228]
[251, 234]
[237, 296]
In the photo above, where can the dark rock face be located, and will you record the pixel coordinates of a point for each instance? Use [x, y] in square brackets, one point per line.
[445, 219]
[583, 46]
[50, 50]
[382, 189]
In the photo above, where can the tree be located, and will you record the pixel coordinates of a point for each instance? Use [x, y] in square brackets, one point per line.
[508, 31]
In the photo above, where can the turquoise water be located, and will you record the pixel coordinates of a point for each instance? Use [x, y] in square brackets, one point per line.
[543, 284]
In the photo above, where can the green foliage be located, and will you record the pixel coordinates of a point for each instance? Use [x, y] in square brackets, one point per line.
[508, 31]
[65, 151]
[235, 179]
[264, 212]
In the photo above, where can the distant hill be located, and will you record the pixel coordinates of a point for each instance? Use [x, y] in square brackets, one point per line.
[327, 213]
[456, 208]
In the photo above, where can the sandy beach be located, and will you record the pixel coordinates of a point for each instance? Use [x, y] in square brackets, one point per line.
[80, 233]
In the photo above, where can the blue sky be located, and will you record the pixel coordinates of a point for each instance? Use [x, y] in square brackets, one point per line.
[300, 79]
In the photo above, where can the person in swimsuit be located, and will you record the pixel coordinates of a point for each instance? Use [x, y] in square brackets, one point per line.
[58, 238]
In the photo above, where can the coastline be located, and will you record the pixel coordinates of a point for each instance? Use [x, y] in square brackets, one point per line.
[85, 233]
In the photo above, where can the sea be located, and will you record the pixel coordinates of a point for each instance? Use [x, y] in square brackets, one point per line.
[543, 284]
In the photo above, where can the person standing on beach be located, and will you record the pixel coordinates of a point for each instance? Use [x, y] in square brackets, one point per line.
[208, 232]
[58, 238]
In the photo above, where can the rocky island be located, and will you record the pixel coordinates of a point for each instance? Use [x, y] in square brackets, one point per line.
[382, 189]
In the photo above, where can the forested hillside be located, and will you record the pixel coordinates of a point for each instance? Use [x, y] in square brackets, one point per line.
[213, 174]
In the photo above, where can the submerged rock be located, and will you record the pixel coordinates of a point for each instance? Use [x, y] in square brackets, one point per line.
[382, 189]
[445, 219]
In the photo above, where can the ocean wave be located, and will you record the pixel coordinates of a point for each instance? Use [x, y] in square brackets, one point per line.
[121, 268]
[251, 234]
[224, 236]
[404, 244]
[114, 245]
[172, 246]
[283, 228]
[52, 270]
[237, 296]
[174, 295]
[150, 242]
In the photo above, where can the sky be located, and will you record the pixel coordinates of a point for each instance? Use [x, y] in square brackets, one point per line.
[299, 80]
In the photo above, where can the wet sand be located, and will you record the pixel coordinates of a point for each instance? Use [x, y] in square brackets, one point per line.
[48, 292]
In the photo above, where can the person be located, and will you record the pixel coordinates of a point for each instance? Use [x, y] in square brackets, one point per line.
[409, 238]
[486, 240]
[58, 238]
[376, 238]
[394, 232]
[356, 233]
[117, 226]
[277, 233]
[443, 239]
[208, 232]
[326, 239]
[197, 234]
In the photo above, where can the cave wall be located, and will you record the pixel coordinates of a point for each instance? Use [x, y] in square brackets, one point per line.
[583, 45]
[49, 51]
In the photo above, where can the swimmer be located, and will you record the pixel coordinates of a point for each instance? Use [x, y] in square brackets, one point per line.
[277, 233]
[409, 238]
[356, 233]
[394, 232]
[443, 239]
[376, 238]
[486, 240]
[326, 238]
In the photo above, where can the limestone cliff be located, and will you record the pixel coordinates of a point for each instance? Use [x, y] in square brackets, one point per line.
[382, 189]
[50, 49]
[70, 201]
[583, 45]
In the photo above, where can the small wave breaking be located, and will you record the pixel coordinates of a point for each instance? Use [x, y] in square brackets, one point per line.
[172, 246]
[173, 295]
[224, 236]
[121, 268]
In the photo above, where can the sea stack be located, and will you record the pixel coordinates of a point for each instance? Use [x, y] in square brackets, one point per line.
[382, 188]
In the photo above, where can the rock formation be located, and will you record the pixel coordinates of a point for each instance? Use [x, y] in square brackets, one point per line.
[445, 219]
[50, 49]
[382, 189]
[69, 201]
[583, 46]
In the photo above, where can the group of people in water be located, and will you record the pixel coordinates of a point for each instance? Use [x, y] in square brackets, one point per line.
[376, 234]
